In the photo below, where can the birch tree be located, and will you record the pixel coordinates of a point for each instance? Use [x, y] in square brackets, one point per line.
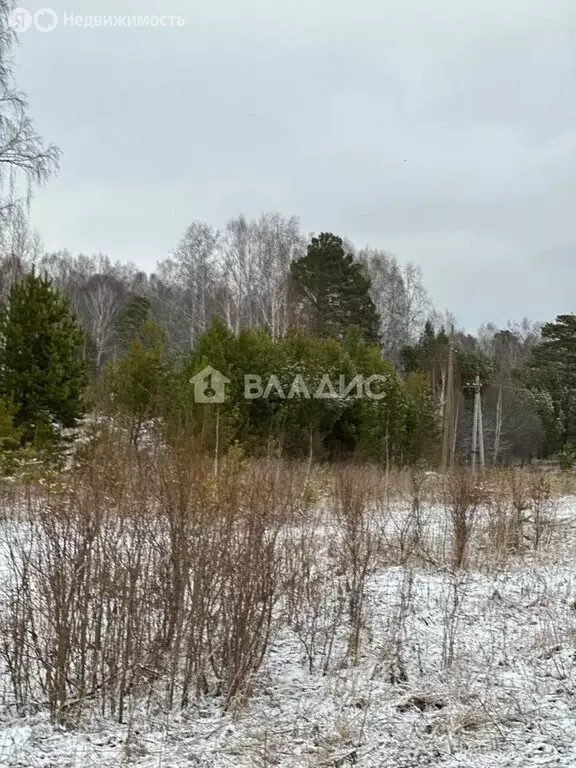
[278, 243]
[192, 266]
[25, 160]
[390, 298]
[99, 302]
[400, 298]
[239, 262]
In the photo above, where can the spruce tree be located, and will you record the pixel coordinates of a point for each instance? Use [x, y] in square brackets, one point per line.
[333, 290]
[130, 320]
[41, 368]
[137, 382]
[551, 375]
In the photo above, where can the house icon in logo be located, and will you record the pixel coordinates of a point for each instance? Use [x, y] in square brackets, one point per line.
[209, 386]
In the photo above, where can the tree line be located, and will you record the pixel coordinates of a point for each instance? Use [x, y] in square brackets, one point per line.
[108, 338]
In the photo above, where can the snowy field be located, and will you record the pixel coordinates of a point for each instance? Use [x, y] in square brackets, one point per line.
[461, 669]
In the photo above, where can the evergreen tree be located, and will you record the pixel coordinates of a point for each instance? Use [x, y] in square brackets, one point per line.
[41, 369]
[429, 356]
[551, 376]
[378, 423]
[333, 291]
[137, 382]
[310, 424]
[131, 319]
[217, 424]
[422, 427]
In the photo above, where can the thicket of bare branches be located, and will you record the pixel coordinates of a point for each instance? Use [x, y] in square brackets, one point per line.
[153, 580]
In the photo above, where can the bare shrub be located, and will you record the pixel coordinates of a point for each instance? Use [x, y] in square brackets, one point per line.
[543, 509]
[521, 507]
[152, 576]
[314, 595]
[463, 492]
[499, 526]
[520, 502]
[393, 653]
[457, 584]
[356, 545]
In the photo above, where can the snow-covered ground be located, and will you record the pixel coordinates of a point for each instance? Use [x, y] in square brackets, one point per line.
[472, 669]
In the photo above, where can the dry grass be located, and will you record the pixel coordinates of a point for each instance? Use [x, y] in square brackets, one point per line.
[147, 578]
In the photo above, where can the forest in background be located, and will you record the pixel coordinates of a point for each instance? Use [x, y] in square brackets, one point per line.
[259, 297]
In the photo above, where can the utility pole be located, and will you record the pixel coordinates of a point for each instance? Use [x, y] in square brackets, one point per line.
[455, 431]
[480, 430]
[449, 431]
[477, 427]
[498, 433]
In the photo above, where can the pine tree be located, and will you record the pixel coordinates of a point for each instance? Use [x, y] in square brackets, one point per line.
[551, 375]
[333, 290]
[137, 382]
[131, 319]
[41, 369]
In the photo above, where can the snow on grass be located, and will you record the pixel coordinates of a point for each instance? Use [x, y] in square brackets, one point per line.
[472, 669]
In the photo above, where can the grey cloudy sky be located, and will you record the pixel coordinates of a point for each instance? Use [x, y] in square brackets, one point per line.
[441, 130]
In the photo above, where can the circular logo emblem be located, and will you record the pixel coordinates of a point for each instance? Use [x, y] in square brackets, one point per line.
[20, 20]
[45, 20]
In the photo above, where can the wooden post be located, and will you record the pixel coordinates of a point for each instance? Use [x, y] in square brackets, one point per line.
[498, 431]
[217, 446]
[448, 412]
[480, 429]
[475, 427]
[455, 432]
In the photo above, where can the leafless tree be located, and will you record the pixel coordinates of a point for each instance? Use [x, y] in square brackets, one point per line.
[390, 297]
[240, 271]
[192, 268]
[400, 298]
[277, 242]
[24, 158]
[419, 306]
[99, 302]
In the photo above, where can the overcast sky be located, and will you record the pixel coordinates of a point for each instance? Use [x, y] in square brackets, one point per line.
[443, 131]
